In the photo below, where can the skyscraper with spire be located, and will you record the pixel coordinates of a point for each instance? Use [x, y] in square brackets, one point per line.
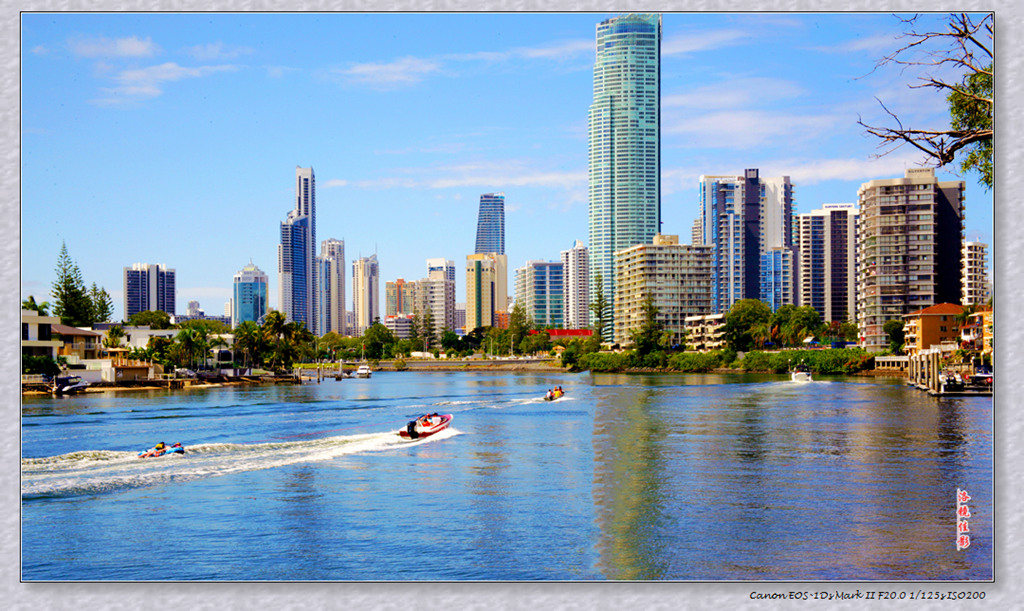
[624, 142]
[296, 255]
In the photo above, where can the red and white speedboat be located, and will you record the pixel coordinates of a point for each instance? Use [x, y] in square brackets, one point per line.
[425, 426]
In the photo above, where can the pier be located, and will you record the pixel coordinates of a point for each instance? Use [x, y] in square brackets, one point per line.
[925, 371]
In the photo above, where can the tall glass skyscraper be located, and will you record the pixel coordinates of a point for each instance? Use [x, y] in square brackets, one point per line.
[296, 255]
[249, 295]
[625, 142]
[490, 226]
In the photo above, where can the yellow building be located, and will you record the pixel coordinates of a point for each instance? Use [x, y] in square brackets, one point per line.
[486, 289]
[934, 326]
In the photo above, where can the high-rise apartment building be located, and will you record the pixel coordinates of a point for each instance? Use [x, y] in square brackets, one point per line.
[444, 267]
[909, 248]
[399, 297]
[827, 249]
[540, 290]
[434, 301]
[576, 285]
[748, 222]
[148, 287]
[975, 274]
[490, 227]
[365, 292]
[624, 142]
[486, 289]
[296, 255]
[677, 277]
[249, 301]
[331, 292]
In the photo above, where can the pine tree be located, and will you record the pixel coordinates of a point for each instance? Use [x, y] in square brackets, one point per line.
[70, 299]
[602, 310]
[102, 305]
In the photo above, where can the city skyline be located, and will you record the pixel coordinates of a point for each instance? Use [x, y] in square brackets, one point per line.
[193, 111]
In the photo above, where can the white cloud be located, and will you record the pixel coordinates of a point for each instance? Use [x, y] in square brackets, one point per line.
[120, 47]
[40, 50]
[217, 51]
[735, 93]
[559, 51]
[701, 41]
[145, 83]
[878, 44]
[334, 182]
[404, 71]
[747, 129]
[812, 171]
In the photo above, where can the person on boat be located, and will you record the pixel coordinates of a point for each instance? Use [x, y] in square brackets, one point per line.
[160, 447]
[550, 395]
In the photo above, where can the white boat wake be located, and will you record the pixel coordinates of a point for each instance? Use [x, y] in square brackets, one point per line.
[91, 472]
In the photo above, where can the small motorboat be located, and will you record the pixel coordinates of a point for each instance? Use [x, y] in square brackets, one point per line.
[554, 394]
[425, 426]
[801, 373]
[364, 371]
[69, 384]
[161, 449]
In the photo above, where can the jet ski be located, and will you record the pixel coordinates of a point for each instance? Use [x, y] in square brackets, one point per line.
[425, 426]
[161, 449]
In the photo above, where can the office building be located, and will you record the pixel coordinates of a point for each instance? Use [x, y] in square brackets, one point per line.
[486, 289]
[624, 154]
[975, 274]
[677, 277]
[331, 293]
[748, 222]
[909, 249]
[490, 227]
[148, 287]
[365, 292]
[249, 301]
[826, 244]
[576, 285]
[540, 290]
[296, 255]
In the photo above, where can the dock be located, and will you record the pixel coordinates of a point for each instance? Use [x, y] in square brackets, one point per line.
[926, 372]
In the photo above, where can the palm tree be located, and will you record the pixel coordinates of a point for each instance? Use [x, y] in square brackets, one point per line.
[248, 339]
[30, 304]
[761, 333]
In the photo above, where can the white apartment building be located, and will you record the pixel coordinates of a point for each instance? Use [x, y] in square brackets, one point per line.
[975, 274]
[576, 286]
[365, 292]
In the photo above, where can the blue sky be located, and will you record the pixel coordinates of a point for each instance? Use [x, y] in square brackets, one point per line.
[173, 138]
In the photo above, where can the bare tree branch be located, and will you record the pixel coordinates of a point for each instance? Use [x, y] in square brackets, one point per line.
[964, 47]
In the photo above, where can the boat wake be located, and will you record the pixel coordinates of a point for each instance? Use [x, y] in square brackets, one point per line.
[99, 471]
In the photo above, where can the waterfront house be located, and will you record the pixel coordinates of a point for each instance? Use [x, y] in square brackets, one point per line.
[37, 335]
[935, 326]
[78, 344]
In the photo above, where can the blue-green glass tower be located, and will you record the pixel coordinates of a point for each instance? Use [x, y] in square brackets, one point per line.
[625, 142]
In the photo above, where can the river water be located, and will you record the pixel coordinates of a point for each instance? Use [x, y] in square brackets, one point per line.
[639, 477]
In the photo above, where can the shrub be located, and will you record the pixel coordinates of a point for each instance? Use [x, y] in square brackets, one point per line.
[605, 362]
[695, 362]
